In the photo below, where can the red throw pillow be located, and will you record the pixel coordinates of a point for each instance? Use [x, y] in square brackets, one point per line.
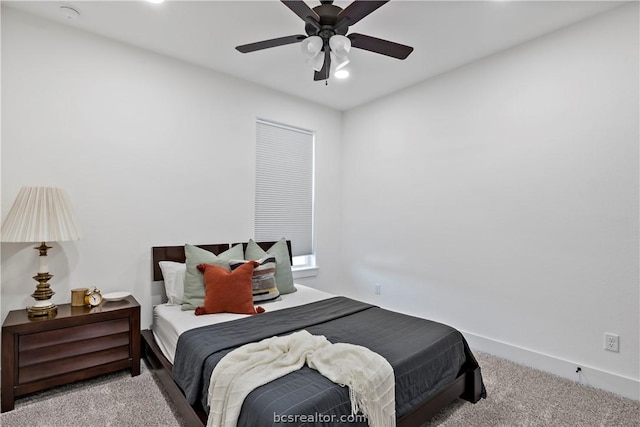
[228, 291]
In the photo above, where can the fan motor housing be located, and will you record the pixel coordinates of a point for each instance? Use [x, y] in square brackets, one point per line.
[328, 14]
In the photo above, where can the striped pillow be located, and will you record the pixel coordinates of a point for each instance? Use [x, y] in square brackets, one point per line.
[264, 278]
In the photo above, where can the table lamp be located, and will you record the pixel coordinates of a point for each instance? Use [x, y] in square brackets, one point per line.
[41, 214]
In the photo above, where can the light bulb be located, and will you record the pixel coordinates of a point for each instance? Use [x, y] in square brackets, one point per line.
[341, 74]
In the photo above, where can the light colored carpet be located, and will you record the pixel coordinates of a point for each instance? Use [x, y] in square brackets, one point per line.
[517, 396]
[114, 400]
[520, 396]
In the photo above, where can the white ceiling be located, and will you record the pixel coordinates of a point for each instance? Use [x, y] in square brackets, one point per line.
[445, 35]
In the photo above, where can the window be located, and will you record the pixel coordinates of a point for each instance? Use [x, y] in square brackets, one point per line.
[284, 188]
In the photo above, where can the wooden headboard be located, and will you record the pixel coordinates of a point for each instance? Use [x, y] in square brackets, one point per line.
[176, 253]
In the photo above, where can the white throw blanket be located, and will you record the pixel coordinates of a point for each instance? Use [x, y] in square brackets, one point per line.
[367, 374]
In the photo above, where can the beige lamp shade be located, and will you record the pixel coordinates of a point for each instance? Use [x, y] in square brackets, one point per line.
[40, 214]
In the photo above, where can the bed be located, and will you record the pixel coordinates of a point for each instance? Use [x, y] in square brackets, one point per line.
[432, 363]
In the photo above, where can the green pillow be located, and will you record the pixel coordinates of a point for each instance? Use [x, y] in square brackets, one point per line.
[284, 276]
[194, 279]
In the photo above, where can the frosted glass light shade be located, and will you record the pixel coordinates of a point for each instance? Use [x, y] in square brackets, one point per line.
[311, 46]
[317, 62]
[338, 61]
[341, 45]
[40, 214]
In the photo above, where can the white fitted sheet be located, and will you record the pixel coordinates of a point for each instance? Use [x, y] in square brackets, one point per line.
[170, 321]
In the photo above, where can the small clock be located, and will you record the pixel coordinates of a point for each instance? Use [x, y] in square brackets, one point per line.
[93, 297]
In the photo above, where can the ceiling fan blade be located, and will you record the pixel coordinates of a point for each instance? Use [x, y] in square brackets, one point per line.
[383, 47]
[301, 9]
[323, 74]
[356, 11]
[265, 44]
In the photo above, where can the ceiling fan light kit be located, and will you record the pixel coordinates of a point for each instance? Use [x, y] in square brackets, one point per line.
[338, 62]
[326, 45]
[340, 44]
[316, 62]
[311, 46]
[340, 47]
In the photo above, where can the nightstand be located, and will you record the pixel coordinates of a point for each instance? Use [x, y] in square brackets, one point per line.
[78, 343]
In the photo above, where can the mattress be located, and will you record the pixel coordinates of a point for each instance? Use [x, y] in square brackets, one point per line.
[170, 321]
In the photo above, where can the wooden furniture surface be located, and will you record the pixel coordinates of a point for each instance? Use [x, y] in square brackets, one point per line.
[467, 386]
[78, 343]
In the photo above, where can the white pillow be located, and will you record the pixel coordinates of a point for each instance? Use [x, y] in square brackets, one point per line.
[173, 274]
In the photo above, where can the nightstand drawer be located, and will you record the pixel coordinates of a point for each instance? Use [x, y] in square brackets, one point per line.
[75, 333]
[53, 368]
[36, 355]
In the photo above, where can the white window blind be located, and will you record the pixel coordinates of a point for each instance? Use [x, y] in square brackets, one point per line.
[284, 186]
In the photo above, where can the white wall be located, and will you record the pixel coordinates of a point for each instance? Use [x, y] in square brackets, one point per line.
[502, 198]
[150, 150]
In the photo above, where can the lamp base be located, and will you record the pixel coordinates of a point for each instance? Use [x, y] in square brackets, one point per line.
[46, 311]
[43, 293]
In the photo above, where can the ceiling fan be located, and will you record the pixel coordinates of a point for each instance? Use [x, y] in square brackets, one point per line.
[326, 26]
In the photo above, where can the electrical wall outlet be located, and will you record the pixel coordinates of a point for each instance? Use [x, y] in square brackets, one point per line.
[378, 289]
[611, 342]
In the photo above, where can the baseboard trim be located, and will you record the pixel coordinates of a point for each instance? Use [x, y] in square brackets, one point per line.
[590, 376]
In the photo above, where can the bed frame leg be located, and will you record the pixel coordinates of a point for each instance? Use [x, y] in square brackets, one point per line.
[473, 386]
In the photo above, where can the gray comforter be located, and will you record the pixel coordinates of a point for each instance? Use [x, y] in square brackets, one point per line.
[425, 356]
